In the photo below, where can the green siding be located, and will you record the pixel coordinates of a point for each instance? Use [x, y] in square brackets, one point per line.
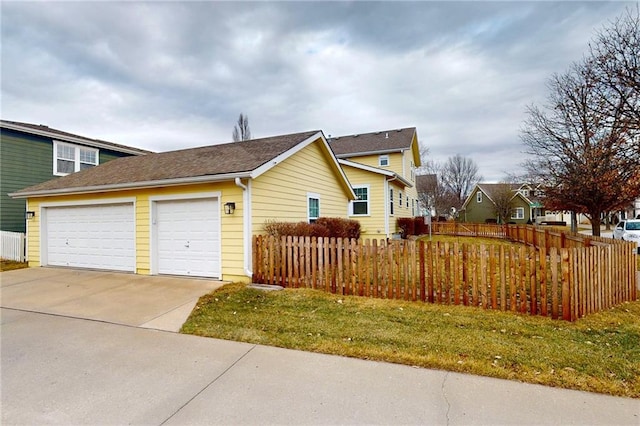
[26, 160]
[519, 202]
[479, 212]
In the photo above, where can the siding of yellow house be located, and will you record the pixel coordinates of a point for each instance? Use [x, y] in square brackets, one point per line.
[373, 225]
[399, 163]
[281, 193]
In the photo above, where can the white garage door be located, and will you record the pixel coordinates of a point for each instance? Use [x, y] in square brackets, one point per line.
[188, 237]
[93, 236]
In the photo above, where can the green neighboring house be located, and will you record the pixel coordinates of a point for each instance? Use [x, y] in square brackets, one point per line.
[524, 203]
[31, 154]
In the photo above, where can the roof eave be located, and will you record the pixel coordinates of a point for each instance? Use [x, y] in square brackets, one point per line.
[87, 142]
[363, 153]
[129, 185]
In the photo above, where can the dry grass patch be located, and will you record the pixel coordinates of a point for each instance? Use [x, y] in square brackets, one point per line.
[599, 353]
[8, 265]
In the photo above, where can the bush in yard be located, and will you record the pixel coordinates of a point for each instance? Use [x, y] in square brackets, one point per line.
[323, 227]
[412, 226]
[340, 228]
[407, 226]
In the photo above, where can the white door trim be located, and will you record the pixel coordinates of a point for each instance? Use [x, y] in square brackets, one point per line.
[153, 215]
[42, 211]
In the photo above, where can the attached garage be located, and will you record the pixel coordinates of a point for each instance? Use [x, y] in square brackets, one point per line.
[187, 237]
[92, 236]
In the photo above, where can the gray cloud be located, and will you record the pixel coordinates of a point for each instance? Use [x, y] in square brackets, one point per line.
[168, 75]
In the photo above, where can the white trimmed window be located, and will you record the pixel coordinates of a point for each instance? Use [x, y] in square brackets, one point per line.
[479, 197]
[360, 206]
[68, 158]
[517, 213]
[313, 207]
[400, 199]
[390, 200]
[383, 160]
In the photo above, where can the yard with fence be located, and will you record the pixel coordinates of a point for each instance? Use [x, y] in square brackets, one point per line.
[12, 246]
[550, 272]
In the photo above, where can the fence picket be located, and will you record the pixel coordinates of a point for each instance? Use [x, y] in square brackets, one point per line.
[563, 282]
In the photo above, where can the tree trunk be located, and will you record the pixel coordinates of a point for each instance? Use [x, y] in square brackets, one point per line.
[595, 224]
[574, 222]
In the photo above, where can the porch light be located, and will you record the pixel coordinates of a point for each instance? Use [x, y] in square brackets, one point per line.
[229, 208]
[29, 215]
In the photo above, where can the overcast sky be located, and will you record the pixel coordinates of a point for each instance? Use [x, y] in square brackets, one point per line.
[171, 75]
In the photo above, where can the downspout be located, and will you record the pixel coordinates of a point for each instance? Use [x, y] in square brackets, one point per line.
[246, 225]
[388, 203]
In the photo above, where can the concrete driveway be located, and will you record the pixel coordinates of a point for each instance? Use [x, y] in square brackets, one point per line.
[159, 302]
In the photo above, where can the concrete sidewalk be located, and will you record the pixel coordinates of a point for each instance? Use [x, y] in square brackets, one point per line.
[62, 370]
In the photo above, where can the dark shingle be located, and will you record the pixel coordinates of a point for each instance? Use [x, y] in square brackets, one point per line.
[66, 135]
[236, 157]
[376, 142]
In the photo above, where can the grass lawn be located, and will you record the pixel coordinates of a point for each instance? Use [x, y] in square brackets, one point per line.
[600, 353]
[8, 265]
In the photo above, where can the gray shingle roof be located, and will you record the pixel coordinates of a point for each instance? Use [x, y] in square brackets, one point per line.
[55, 133]
[225, 159]
[376, 142]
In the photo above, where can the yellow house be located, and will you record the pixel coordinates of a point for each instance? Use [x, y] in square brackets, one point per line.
[381, 168]
[189, 212]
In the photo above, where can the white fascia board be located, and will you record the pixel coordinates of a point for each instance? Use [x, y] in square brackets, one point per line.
[81, 141]
[299, 147]
[280, 158]
[371, 169]
[363, 153]
[473, 191]
[365, 167]
[129, 185]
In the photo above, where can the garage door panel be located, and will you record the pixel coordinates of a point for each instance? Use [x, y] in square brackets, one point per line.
[188, 237]
[93, 236]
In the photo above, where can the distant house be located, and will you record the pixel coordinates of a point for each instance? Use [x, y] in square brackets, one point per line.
[31, 154]
[381, 168]
[191, 212]
[632, 211]
[524, 203]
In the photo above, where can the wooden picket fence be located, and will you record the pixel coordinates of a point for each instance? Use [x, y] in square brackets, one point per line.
[566, 283]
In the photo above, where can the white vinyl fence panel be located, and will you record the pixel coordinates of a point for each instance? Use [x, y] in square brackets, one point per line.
[12, 246]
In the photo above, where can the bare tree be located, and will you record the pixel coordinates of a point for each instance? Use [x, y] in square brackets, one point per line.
[241, 131]
[614, 57]
[502, 196]
[587, 161]
[459, 175]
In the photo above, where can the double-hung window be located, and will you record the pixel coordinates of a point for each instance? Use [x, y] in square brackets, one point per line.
[313, 207]
[68, 158]
[383, 160]
[517, 213]
[360, 206]
[400, 198]
[479, 197]
[390, 200]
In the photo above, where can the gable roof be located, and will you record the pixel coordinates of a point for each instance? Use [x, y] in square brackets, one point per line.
[381, 142]
[491, 190]
[42, 130]
[388, 173]
[245, 159]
